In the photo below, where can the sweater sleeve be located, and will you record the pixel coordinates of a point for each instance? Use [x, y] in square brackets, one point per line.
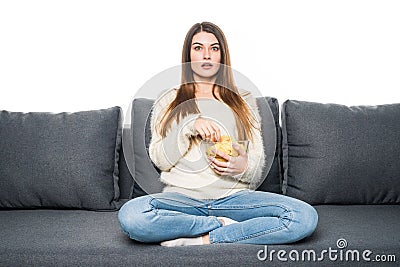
[256, 154]
[166, 152]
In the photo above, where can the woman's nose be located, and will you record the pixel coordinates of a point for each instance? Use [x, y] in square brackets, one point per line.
[206, 54]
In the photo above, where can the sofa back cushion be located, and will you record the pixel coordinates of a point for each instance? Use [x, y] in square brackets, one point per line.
[125, 181]
[64, 160]
[139, 136]
[335, 154]
[274, 173]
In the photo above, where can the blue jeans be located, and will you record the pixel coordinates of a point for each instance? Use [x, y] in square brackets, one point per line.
[264, 218]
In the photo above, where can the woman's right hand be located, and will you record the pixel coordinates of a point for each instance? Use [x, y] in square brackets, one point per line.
[207, 129]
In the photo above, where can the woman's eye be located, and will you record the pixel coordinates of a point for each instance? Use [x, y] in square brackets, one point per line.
[215, 48]
[197, 48]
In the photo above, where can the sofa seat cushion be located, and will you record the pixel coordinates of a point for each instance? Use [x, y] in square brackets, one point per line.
[88, 238]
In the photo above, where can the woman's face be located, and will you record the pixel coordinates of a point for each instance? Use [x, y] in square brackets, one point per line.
[205, 55]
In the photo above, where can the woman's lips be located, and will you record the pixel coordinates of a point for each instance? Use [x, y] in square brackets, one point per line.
[206, 66]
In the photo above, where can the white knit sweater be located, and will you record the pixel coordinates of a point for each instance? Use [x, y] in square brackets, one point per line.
[184, 167]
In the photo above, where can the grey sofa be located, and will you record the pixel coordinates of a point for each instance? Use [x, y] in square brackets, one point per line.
[64, 176]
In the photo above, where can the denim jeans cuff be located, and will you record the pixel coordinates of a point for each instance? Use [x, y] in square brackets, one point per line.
[211, 233]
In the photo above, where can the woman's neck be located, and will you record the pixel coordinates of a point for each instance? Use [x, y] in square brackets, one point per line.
[205, 90]
[204, 86]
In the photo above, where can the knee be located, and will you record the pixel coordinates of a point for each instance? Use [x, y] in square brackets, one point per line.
[311, 220]
[134, 218]
[305, 222]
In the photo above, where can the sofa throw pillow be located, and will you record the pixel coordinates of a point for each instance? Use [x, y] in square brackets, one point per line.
[274, 173]
[335, 154]
[144, 170]
[64, 160]
[125, 179]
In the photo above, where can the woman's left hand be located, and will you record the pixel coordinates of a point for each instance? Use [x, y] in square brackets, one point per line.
[233, 166]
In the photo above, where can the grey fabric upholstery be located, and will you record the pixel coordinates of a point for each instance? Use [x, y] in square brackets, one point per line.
[88, 238]
[64, 160]
[144, 170]
[76, 237]
[273, 174]
[125, 182]
[339, 154]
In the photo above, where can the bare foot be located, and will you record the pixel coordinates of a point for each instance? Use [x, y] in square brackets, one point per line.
[206, 239]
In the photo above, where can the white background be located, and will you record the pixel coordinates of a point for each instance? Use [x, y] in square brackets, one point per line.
[80, 55]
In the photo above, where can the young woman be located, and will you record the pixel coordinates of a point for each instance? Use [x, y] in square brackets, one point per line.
[211, 200]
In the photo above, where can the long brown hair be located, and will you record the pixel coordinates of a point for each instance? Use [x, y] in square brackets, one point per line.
[183, 103]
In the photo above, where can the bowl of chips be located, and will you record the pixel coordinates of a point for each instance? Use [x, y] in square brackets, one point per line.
[225, 145]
